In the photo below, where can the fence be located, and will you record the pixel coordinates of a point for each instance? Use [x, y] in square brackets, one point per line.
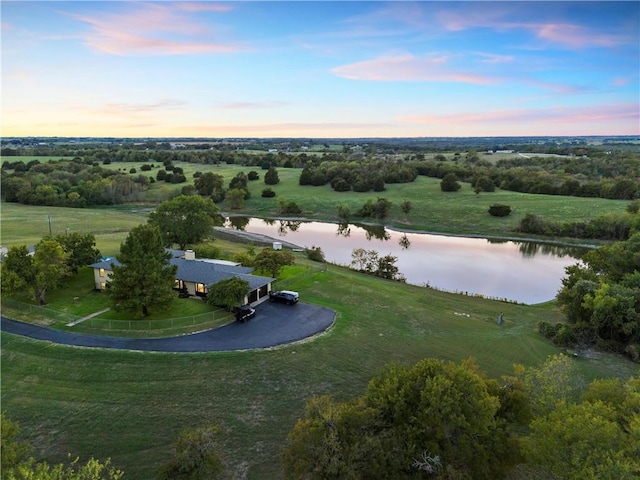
[203, 319]
[26, 311]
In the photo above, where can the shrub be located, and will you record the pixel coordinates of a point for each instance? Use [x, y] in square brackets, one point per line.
[253, 175]
[133, 170]
[498, 210]
[268, 193]
[289, 207]
[315, 253]
[449, 183]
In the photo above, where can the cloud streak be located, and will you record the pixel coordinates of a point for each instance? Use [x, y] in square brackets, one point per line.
[252, 105]
[566, 115]
[159, 30]
[409, 68]
[564, 34]
[136, 109]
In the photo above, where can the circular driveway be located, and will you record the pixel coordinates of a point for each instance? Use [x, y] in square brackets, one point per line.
[274, 324]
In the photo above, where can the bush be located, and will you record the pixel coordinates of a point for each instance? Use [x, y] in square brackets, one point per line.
[290, 208]
[133, 170]
[268, 193]
[146, 167]
[498, 210]
[449, 183]
[253, 175]
[315, 253]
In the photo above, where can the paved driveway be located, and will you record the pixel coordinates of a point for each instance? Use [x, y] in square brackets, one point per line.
[274, 324]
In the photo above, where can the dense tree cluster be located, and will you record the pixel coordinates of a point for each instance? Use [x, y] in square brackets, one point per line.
[444, 420]
[54, 259]
[601, 299]
[360, 176]
[610, 226]
[68, 184]
[615, 176]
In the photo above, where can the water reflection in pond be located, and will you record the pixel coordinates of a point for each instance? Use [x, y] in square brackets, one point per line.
[525, 272]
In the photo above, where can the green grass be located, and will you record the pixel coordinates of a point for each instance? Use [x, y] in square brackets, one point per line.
[461, 212]
[22, 224]
[130, 406]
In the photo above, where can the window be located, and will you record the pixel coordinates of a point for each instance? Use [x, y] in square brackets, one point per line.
[201, 288]
[103, 285]
[102, 272]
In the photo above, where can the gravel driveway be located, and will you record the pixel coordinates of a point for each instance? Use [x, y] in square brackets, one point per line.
[274, 324]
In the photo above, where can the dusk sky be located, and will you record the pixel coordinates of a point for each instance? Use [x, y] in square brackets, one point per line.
[320, 69]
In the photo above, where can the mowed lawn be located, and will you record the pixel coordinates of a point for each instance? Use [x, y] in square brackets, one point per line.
[130, 406]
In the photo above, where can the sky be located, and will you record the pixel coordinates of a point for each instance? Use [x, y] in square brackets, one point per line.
[317, 69]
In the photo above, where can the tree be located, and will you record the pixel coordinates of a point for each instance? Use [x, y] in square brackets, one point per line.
[235, 198]
[16, 465]
[50, 267]
[228, 293]
[195, 456]
[186, 219]
[272, 261]
[271, 177]
[449, 183]
[92, 470]
[364, 260]
[12, 451]
[208, 182]
[436, 417]
[144, 278]
[18, 274]
[387, 267]
[81, 249]
[554, 383]
[379, 209]
[406, 207]
[594, 439]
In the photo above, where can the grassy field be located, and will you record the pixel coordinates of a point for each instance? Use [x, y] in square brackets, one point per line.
[461, 212]
[130, 405]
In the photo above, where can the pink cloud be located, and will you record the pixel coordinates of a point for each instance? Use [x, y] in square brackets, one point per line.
[564, 115]
[408, 68]
[621, 81]
[203, 7]
[135, 109]
[493, 58]
[569, 35]
[158, 30]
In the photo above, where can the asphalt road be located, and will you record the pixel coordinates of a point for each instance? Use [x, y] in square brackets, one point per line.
[274, 324]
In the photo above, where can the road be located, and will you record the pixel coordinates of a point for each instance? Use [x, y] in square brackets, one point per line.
[274, 324]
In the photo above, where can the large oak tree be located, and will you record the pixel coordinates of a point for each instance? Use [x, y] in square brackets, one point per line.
[186, 219]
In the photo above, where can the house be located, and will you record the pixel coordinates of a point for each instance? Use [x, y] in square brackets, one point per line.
[194, 276]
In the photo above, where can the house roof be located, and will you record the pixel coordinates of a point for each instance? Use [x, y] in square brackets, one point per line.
[200, 271]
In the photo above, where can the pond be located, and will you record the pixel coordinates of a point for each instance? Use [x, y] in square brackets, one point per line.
[524, 272]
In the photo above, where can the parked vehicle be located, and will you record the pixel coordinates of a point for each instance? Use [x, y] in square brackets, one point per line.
[284, 296]
[245, 313]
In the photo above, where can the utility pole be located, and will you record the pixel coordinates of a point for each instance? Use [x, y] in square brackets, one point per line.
[49, 218]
